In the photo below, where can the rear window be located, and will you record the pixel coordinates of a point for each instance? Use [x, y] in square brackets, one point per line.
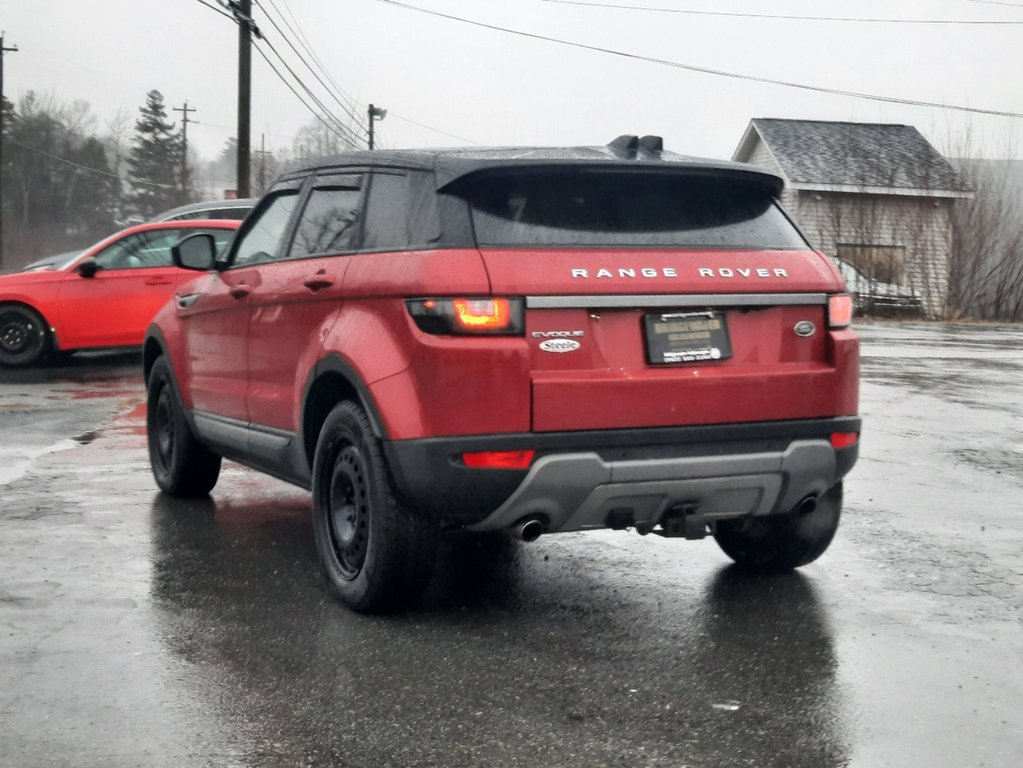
[626, 209]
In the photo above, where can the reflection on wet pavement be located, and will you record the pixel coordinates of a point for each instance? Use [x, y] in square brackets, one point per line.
[142, 630]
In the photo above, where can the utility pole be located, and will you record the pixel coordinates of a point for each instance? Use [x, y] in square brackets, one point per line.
[375, 113]
[3, 50]
[262, 152]
[184, 142]
[242, 10]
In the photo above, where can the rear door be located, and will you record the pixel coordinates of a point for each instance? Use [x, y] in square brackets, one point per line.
[299, 296]
[656, 299]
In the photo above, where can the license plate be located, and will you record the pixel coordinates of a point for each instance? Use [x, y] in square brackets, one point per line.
[686, 337]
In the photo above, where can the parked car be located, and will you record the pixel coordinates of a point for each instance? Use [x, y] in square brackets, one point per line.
[210, 209]
[105, 296]
[521, 340]
[872, 297]
[54, 261]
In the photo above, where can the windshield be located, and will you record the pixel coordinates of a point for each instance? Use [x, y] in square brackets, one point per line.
[632, 209]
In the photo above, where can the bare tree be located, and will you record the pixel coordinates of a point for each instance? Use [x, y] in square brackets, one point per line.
[986, 271]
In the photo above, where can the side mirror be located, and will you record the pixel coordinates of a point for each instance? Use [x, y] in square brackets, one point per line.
[88, 268]
[197, 252]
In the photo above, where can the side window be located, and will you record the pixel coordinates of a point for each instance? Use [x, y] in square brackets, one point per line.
[261, 241]
[143, 250]
[387, 213]
[329, 223]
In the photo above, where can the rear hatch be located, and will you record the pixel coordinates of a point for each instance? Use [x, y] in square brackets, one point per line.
[660, 298]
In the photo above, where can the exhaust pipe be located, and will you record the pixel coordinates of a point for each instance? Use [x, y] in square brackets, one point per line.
[527, 529]
[807, 505]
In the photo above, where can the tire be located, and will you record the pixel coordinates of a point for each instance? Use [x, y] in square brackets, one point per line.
[24, 336]
[377, 554]
[782, 542]
[181, 465]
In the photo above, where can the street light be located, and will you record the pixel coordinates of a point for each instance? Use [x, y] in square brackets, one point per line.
[375, 113]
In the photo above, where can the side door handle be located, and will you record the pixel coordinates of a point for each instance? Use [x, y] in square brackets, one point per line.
[240, 291]
[318, 282]
[158, 281]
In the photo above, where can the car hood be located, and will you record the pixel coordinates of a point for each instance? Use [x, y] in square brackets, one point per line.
[22, 279]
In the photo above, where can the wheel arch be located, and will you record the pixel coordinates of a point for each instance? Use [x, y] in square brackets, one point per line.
[152, 349]
[333, 381]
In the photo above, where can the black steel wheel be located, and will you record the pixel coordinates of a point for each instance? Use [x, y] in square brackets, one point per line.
[376, 553]
[782, 542]
[349, 511]
[181, 465]
[24, 337]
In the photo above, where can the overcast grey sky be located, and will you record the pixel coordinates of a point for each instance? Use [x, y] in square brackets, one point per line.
[491, 87]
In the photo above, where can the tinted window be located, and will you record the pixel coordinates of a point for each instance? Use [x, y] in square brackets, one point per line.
[601, 208]
[141, 250]
[262, 241]
[387, 213]
[329, 222]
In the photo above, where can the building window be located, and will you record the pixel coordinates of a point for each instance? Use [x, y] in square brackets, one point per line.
[881, 263]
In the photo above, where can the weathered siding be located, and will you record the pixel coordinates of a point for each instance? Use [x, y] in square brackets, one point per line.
[921, 225]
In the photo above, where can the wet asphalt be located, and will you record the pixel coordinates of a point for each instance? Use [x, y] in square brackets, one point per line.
[137, 630]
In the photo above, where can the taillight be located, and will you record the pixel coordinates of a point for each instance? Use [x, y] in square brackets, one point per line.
[840, 310]
[841, 440]
[498, 459]
[469, 316]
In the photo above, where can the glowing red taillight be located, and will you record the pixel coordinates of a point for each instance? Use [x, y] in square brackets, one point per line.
[498, 459]
[841, 440]
[840, 310]
[486, 314]
[463, 316]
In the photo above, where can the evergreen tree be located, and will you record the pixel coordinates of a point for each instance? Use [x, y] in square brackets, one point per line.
[155, 161]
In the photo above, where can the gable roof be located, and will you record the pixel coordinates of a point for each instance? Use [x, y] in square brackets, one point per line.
[857, 157]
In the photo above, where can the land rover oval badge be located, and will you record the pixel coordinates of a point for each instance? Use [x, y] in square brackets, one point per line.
[559, 345]
[805, 328]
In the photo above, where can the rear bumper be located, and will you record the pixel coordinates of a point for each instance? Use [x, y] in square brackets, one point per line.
[579, 478]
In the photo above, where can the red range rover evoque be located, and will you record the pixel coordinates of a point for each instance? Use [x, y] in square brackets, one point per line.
[528, 340]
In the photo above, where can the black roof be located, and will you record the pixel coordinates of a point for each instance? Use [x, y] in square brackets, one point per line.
[856, 154]
[458, 163]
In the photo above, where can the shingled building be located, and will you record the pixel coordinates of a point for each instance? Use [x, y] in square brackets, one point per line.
[877, 196]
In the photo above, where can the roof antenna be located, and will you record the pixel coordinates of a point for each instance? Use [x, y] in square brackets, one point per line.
[625, 144]
[631, 146]
[652, 144]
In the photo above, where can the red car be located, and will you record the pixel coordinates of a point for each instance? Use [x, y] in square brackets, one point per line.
[522, 340]
[105, 296]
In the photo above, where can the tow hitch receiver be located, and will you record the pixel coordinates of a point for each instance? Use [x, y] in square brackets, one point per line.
[684, 521]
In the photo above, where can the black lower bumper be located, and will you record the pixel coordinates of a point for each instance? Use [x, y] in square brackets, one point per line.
[430, 475]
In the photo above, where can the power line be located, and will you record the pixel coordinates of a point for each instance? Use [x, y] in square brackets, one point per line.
[690, 12]
[350, 136]
[340, 134]
[348, 105]
[216, 10]
[994, 2]
[298, 96]
[88, 168]
[706, 70]
[392, 113]
[296, 29]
